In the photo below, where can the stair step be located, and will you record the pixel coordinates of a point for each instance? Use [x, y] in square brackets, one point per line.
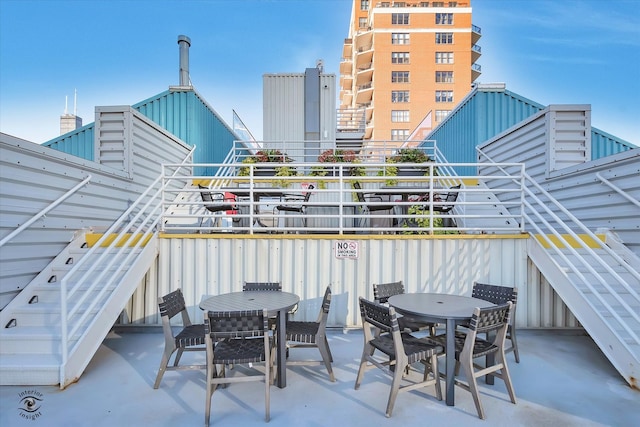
[44, 313]
[33, 340]
[30, 369]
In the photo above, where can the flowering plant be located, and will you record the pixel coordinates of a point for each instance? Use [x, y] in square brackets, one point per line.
[337, 156]
[270, 156]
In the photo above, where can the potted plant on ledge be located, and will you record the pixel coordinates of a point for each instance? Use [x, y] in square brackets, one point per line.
[405, 155]
[268, 156]
[337, 156]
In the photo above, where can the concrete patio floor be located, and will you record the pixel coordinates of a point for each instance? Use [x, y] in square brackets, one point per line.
[563, 380]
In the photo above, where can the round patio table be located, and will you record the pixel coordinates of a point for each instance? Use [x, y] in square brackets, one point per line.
[275, 302]
[440, 308]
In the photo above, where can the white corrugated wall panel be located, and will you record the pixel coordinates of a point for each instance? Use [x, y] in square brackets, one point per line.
[211, 265]
[33, 176]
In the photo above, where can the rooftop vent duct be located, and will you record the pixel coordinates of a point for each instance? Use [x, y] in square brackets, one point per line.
[184, 42]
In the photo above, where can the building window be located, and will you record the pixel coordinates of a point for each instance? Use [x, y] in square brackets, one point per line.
[400, 96]
[400, 19]
[399, 134]
[444, 18]
[399, 38]
[444, 57]
[398, 116]
[441, 114]
[437, 4]
[362, 23]
[444, 38]
[453, 4]
[364, 4]
[399, 4]
[424, 4]
[444, 96]
[399, 77]
[399, 57]
[444, 76]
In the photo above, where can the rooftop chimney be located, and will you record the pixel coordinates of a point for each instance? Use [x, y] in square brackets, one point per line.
[184, 42]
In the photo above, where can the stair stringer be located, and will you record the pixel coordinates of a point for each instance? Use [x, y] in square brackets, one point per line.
[82, 353]
[617, 352]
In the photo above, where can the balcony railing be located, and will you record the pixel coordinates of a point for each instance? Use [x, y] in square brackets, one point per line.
[417, 204]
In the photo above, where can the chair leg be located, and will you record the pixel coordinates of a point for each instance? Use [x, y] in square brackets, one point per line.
[433, 364]
[467, 368]
[178, 356]
[166, 355]
[207, 407]
[366, 352]
[395, 387]
[326, 357]
[326, 343]
[514, 343]
[506, 377]
[267, 386]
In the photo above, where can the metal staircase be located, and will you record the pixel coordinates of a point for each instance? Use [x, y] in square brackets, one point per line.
[599, 283]
[33, 347]
[52, 329]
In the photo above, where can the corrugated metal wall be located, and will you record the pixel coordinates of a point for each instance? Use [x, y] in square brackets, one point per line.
[33, 176]
[283, 106]
[486, 113]
[574, 182]
[182, 112]
[209, 266]
[449, 264]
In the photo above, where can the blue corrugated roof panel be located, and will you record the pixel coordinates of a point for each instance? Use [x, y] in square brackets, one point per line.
[182, 112]
[78, 142]
[488, 111]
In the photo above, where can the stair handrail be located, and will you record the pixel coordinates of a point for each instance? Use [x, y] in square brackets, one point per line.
[617, 189]
[580, 241]
[45, 211]
[601, 279]
[121, 239]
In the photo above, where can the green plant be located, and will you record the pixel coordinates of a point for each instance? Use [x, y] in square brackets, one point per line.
[409, 155]
[270, 156]
[337, 156]
[421, 219]
[404, 155]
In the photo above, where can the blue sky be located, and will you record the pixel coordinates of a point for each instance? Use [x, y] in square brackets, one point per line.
[116, 52]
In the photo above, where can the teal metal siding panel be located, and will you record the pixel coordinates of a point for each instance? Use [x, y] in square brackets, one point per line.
[604, 144]
[186, 115]
[182, 113]
[485, 114]
[78, 143]
[479, 118]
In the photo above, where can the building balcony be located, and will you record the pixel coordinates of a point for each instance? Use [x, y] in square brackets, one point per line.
[364, 77]
[364, 58]
[476, 53]
[363, 40]
[476, 71]
[476, 34]
[347, 48]
[346, 81]
[346, 66]
[364, 94]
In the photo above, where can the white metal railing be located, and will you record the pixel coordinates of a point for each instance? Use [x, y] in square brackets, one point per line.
[310, 151]
[118, 247]
[548, 218]
[44, 211]
[617, 189]
[334, 206]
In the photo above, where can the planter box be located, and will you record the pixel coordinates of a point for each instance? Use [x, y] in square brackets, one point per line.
[411, 171]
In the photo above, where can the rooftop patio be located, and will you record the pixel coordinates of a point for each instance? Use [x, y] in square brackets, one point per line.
[563, 379]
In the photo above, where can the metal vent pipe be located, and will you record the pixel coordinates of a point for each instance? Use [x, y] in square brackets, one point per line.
[184, 42]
